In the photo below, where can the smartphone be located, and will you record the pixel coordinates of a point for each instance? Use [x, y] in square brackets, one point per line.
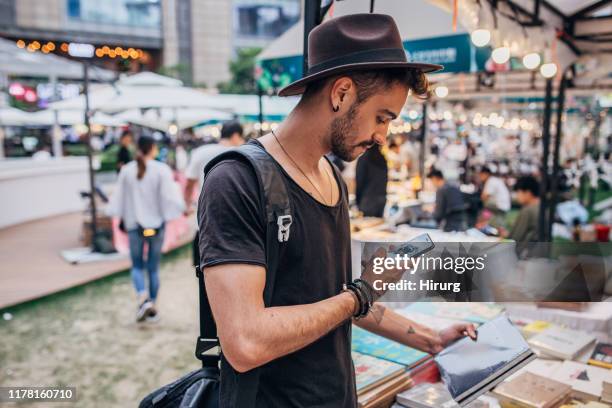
[417, 246]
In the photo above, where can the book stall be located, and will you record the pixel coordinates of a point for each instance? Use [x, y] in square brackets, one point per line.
[563, 367]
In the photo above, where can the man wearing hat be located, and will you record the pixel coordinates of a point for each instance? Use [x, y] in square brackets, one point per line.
[357, 83]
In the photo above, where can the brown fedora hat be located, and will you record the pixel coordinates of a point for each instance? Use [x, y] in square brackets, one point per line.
[354, 42]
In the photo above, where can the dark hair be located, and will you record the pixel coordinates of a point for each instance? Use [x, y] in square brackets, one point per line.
[145, 145]
[436, 173]
[485, 169]
[229, 128]
[369, 82]
[528, 183]
[125, 133]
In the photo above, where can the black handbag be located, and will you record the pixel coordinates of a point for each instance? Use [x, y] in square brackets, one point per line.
[201, 388]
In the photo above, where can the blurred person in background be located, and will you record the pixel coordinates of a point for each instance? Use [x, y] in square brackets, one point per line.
[450, 206]
[495, 196]
[124, 155]
[146, 197]
[232, 135]
[525, 228]
[371, 182]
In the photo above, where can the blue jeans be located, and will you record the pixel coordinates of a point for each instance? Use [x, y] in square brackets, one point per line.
[155, 243]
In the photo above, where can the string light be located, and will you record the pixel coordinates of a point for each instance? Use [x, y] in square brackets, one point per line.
[501, 55]
[531, 60]
[548, 70]
[441, 91]
[480, 37]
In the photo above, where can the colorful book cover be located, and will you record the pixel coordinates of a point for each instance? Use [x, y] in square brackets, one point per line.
[474, 312]
[371, 371]
[602, 355]
[371, 344]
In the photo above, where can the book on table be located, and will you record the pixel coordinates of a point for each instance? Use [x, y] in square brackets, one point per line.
[371, 371]
[530, 390]
[587, 381]
[470, 368]
[562, 343]
[602, 355]
[374, 345]
[432, 396]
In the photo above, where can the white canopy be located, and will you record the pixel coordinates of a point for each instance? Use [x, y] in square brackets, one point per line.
[17, 61]
[149, 78]
[74, 117]
[162, 118]
[15, 117]
[248, 105]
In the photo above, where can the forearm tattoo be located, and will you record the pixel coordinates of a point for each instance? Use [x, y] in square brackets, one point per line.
[411, 330]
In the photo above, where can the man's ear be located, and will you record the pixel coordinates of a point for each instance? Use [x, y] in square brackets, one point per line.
[340, 92]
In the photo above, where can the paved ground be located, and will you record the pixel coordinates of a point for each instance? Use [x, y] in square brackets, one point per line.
[31, 265]
[87, 338]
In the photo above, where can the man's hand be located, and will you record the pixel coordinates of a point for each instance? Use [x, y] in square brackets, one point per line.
[452, 333]
[388, 276]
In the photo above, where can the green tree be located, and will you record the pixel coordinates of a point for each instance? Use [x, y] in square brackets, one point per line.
[242, 69]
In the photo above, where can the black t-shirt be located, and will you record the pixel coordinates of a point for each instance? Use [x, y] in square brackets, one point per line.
[313, 265]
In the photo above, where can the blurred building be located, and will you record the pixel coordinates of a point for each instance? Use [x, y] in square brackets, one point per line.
[192, 39]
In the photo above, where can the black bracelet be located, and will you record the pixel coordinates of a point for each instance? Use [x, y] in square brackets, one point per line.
[365, 297]
[369, 289]
[358, 298]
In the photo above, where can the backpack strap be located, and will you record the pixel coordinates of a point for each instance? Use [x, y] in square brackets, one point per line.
[273, 189]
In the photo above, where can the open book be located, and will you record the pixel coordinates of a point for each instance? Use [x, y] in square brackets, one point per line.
[470, 368]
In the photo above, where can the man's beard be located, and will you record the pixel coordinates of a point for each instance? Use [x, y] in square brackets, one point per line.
[341, 130]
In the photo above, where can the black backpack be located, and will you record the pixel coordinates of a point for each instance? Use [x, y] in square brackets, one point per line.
[200, 388]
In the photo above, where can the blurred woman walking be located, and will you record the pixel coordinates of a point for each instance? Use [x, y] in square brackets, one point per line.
[146, 197]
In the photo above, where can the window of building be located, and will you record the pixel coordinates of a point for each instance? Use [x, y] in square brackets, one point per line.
[136, 13]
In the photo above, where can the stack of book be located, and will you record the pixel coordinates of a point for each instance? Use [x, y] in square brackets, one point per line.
[433, 396]
[529, 390]
[378, 381]
[587, 382]
[558, 342]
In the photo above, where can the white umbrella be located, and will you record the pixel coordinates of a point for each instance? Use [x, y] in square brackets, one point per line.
[15, 117]
[162, 118]
[119, 98]
[74, 117]
[149, 78]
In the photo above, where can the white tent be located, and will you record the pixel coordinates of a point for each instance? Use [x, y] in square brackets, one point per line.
[149, 78]
[73, 117]
[15, 117]
[162, 118]
[248, 105]
[119, 98]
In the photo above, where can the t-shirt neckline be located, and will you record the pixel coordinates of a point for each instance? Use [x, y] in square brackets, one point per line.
[340, 193]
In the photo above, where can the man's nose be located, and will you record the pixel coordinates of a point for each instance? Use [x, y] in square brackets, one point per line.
[379, 138]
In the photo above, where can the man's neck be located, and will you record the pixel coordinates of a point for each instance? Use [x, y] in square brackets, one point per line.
[304, 138]
[225, 142]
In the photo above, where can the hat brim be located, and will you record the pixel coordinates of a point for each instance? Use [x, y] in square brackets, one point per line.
[298, 87]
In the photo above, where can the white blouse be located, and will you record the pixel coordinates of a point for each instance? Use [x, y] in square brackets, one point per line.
[147, 202]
